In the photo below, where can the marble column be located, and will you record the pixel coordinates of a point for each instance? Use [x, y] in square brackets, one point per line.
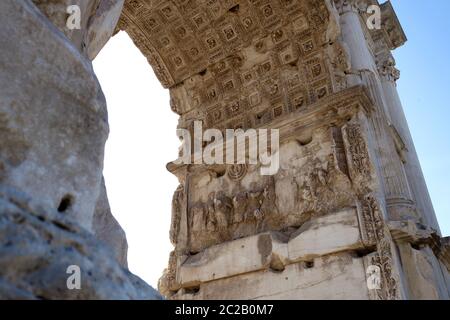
[389, 74]
[364, 71]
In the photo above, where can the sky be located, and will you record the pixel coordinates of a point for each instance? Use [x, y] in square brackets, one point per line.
[142, 141]
[424, 87]
[143, 138]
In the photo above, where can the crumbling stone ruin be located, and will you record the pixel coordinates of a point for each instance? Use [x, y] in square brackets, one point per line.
[346, 216]
[54, 211]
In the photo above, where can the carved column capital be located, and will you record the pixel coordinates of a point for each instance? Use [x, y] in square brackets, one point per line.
[344, 6]
[387, 69]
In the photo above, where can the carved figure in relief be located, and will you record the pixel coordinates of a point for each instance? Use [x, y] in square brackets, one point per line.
[240, 207]
[222, 211]
[254, 204]
[386, 68]
[211, 215]
[340, 56]
[306, 193]
[223, 206]
[198, 218]
[320, 175]
[269, 198]
[308, 198]
[167, 282]
[313, 179]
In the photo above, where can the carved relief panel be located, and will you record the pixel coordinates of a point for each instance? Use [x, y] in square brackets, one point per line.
[230, 202]
[257, 64]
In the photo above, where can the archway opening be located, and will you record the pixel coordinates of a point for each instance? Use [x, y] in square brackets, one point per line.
[142, 140]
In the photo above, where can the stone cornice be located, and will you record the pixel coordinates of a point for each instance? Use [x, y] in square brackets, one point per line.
[333, 110]
[409, 231]
[392, 30]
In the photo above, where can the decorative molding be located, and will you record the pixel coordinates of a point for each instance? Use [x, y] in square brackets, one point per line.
[387, 69]
[377, 233]
[237, 172]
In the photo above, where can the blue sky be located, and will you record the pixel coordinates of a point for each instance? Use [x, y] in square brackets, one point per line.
[424, 88]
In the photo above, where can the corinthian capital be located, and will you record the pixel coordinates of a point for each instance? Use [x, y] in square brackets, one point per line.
[357, 6]
[387, 69]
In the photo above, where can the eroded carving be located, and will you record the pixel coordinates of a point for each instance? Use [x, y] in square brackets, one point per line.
[358, 156]
[378, 234]
[242, 202]
[177, 208]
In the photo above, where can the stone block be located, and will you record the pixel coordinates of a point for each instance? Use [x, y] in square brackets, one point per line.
[53, 118]
[328, 234]
[334, 277]
[321, 236]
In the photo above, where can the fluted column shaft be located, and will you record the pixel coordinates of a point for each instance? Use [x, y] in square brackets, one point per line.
[364, 71]
[389, 75]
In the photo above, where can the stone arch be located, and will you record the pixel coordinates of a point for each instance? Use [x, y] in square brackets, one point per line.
[282, 64]
[206, 51]
[235, 64]
[267, 59]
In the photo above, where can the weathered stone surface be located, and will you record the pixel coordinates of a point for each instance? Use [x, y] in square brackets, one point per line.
[444, 253]
[419, 270]
[348, 198]
[53, 114]
[334, 277]
[321, 236]
[37, 246]
[232, 258]
[98, 21]
[102, 25]
[315, 71]
[325, 235]
[107, 229]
